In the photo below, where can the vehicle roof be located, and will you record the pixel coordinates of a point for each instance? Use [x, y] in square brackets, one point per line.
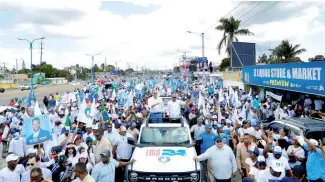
[304, 123]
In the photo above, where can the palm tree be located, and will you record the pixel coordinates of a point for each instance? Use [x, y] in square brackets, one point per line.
[230, 28]
[287, 51]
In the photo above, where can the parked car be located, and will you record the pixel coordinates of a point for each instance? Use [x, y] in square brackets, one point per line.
[2, 90]
[27, 87]
[311, 127]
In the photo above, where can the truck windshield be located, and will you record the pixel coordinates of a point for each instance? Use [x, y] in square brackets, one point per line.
[165, 136]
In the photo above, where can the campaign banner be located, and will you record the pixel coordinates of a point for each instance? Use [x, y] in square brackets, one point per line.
[299, 77]
[37, 129]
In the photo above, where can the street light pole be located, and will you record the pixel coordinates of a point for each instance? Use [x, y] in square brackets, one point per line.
[92, 65]
[202, 37]
[31, 62]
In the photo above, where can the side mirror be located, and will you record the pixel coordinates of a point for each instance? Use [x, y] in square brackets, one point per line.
[131, 141]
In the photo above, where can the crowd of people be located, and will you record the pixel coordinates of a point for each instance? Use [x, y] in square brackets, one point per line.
[226, 125]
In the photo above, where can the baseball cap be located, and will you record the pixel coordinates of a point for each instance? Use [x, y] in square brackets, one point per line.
[12, 157]
[106, 153]
[277, 150]
[253, 150]
[214, 116]
[298, 170]
[208, 126]
[256, 123]
[260, 158]
[314, 142]
[277, 166]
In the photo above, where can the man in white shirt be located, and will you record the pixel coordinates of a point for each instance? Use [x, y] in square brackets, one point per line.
[274, 172]
[156, 106]
[198, 128]
[34, 162]
[174, 107]
[318, 104]
[13, 170]
[18, 145]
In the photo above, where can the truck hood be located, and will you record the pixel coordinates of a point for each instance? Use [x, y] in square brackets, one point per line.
[164, 159]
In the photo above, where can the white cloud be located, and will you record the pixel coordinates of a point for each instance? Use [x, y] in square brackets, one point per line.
[143, 39]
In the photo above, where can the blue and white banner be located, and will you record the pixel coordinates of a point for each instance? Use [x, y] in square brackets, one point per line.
[299, 77]
[37, 129]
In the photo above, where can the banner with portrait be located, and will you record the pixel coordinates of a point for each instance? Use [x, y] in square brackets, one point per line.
[37, 129]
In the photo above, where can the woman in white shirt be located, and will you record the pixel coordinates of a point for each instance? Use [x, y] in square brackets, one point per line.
[71, 154]
[84, 158]
[296, 154]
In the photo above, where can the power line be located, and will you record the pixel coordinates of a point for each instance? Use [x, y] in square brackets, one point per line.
[259, 13]
[287, 2]
[250, 10]
[41, 58]
[225, 15]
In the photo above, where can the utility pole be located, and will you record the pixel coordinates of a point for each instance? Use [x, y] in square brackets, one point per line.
[16, 66]
[105, 65]
[41, 58]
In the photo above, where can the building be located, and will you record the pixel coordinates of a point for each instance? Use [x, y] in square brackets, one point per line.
[286, 82]
[60, 80]
[18, 78]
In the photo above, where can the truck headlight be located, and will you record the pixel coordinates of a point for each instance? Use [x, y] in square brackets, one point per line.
[194, 177]
[133, 177]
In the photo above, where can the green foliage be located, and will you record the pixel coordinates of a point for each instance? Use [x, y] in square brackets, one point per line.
[287, 52]
[317, 58]
[231, 29]
[225, 63]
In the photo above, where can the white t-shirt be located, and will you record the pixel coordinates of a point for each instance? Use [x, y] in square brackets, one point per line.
[197, 130]
[242, 131]
[124, 150]
[254, 172]
[298, 152]
[249, 162]
[174, 109]
[282, 159]
[156, 108]
[318, 105]
[266, 176]
[257, 134]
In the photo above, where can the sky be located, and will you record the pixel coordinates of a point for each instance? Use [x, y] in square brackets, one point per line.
[149, 33]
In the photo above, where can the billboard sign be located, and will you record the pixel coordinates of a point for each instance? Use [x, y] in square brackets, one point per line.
[242, 54]
[299, 77]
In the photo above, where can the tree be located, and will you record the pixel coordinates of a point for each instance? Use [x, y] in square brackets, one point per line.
[110, 68]
[286, 52]
[225, 63]
[317, 58]
[231, 29]
[263, 59]
[102, 66]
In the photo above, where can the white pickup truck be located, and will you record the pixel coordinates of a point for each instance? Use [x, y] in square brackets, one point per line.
[27, 87]
[164, 152]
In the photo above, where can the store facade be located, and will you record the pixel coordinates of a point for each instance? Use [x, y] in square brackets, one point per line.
[290, 80]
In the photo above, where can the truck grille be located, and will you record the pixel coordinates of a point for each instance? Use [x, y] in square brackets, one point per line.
[175, 177]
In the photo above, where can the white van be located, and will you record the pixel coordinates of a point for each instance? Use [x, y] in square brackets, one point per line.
[164, 152]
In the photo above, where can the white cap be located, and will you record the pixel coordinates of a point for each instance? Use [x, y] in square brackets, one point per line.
[214, 116]
[31, 151]
[314, 142]
[260, 158]
[12, 157]
[277, 150]
[277, 166]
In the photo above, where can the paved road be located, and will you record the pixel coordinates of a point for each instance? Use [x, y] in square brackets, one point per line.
[40, 92]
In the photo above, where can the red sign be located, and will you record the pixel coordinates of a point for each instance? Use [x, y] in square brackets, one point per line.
[153, 152]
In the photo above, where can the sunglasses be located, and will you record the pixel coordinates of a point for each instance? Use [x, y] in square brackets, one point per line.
[30, 164]
[219, 141]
